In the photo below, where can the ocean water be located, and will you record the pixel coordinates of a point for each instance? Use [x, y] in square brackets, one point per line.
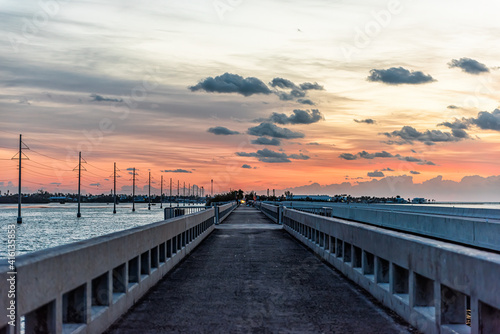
[50, 225]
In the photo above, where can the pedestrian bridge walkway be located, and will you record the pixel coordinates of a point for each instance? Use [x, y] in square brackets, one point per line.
[278, 270]
[250, 276]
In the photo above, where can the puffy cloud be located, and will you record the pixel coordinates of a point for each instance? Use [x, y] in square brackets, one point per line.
[267, 155]
[409, 134]
[469, 65]
[487, 121]
[311, 86]
[232, 83]
[220, 130]
[246, 166]
[176, 171]
[383, 154]
[367, 121]
[375, 174]
[100, 98]
[298, 116]
[414, 172]
[294, 93]
[306, 101]
[398, 76]
[271, 130]
[283, 83]
[266, 141]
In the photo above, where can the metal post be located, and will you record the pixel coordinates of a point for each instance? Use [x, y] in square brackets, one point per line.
[79, 181]
[212, 189]
[170, 199]
[114, 188]
[177, 192]
[19, 218]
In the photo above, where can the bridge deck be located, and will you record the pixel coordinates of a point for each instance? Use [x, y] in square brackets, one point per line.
[254, 279]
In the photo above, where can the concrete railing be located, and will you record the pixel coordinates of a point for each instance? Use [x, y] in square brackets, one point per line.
[271, 211]
[477, 232]
[436, 286]
[85, 286]
[176, 211]
[223, 211]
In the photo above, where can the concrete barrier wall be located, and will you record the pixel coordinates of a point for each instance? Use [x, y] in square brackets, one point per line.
[418, 208]
[225, 210]
[478, 232]
[85, 286]
[271, 211]
[436, 286]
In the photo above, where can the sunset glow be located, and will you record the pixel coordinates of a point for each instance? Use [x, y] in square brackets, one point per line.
[316, 97]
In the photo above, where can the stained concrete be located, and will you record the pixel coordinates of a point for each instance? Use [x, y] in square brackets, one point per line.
[254, 281]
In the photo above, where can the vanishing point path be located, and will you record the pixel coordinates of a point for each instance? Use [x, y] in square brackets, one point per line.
[250, 276]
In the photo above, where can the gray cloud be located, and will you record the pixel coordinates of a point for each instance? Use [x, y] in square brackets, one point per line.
[409, 134]
[313, 143]
[271, 130]
[306, 101]
[383, 154]
[367, 121]
[311, 86]
[267, 155]
[100, 98]
[469, 65]
[220, 130]
[487, 121]
[246, 166]
[451, 106]
[398, 76]
[375, 174]
[95, 184]
[294, 93]
[414, 172]
[176, 171]
[388, 170]
[298, 116]
[232, 83]
[266, 141]
[283, 83]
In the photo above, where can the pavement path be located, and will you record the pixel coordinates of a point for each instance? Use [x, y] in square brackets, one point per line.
[255, 280]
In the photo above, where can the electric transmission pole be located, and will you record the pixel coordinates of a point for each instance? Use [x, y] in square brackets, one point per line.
[177, 192]
[133, 190]
[184, 191]
[149, 193]
[20, 157]
[212, 188]
[170, 198]
[78, 214]
[161, 191]
[114, 188]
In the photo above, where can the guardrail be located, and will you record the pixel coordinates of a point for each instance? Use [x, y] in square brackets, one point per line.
[436, 286]
[85, 286]
[472, 231]
[273, 212]
[177, 211]
[223, 211]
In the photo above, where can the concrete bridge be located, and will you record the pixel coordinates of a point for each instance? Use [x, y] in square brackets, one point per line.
[251, 275]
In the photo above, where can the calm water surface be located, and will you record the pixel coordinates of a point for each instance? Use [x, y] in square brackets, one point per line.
[49, 225]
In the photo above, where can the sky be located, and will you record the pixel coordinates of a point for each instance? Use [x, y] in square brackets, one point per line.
[377, 98]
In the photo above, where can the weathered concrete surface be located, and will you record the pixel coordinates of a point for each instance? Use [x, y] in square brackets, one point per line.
[254, 281]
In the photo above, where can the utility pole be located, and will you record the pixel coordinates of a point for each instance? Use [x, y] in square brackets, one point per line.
[189, 190]
[78, 214]
[184, 191]
[170, 198]
[149, 192]
[20, 157]
[212, 189]
[161, 191]
[177, 192]
[114, 188]
[133, 190]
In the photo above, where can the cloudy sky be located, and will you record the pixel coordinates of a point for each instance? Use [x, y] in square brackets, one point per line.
[372, 97]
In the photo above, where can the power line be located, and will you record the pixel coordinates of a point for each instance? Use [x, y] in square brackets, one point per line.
[105, 170]
[32, 150]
